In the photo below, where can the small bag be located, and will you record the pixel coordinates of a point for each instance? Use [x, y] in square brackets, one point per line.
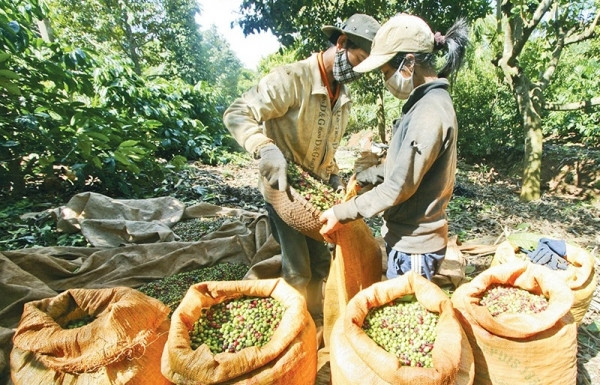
[122, 344]
[580, 274]
[519, 348]
[357, 360]
[289, 358]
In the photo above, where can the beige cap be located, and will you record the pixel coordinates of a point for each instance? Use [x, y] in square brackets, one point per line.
[359, 28]
[401, 33]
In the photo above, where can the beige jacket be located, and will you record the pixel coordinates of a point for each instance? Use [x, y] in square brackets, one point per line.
[291, 106]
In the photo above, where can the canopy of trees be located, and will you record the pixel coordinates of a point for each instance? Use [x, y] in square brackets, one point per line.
[113, 95]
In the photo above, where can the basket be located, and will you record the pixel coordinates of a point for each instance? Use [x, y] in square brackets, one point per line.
[296, 211]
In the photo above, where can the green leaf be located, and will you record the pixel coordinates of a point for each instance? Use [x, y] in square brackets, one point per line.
[128, 143]
[97, 162]
[594, 327]
[10, 87]
[122, 159]
[407, 298]
[4, 56]
[528, 241]
[8, 74]
[98, 135]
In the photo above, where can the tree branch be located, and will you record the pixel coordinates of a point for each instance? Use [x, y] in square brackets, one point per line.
[556, 52]
[539, 13]
[572, 106]
[585, 34]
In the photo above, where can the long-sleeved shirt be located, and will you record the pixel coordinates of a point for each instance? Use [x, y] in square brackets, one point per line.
[418, 177]
[291, 107]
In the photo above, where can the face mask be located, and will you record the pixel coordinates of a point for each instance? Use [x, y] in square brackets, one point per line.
[398, 85]
[342, 69]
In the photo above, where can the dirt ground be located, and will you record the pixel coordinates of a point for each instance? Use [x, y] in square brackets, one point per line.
[485, 209]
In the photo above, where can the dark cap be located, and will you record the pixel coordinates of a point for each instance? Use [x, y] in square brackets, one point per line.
[359, 28]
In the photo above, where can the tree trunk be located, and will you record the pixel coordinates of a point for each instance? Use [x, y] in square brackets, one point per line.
[381, 117]
[534, 140]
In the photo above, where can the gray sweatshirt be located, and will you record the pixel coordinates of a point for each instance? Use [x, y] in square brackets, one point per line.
[419, 174]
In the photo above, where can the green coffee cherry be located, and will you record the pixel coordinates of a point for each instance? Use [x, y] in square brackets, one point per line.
[405, 329]
[501, 299]
[170, 290]
[79, 322]
[319, 194]
[238, 323]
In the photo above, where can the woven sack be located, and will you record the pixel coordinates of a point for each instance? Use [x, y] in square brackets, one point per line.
[122, 345]
[356, 265]
[580, 275]
[289, 358]
[520, 348]
[356, 359]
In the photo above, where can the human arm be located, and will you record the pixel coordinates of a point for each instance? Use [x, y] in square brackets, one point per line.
[415, 147]
[269, 99]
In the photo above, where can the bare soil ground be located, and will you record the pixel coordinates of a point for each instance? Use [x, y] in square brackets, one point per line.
[484, 210]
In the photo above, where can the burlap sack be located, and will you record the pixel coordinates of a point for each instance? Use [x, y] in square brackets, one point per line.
[520, 348]
[356, 359]
[356, 265]
[122, 345]
[580, 275]
[289, 358]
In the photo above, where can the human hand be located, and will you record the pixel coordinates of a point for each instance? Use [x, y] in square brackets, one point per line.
[273, 167]
[370, 176]
[330, 224]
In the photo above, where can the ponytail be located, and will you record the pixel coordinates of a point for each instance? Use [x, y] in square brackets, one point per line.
[455, 41]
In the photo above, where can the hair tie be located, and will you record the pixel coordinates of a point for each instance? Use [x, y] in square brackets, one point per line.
[440, 40]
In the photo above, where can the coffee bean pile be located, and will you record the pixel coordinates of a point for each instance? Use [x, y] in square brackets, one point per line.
[405, 329]
[238, 323]
[79, 322]
[170, 290]
[501, 299]
[319, 194]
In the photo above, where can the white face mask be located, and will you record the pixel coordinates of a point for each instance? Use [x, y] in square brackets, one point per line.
[398, 85]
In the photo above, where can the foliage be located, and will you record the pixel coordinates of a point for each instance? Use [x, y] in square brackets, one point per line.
[573, 79]
[20, 231]
[224, 70]
[531, 43]
[294, 20]
[72, 117]
[148, 33]
[487, 113]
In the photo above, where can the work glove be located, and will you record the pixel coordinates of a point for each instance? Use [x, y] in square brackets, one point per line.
[370, 176]
[336, 183]
[549, 252]
[273, 167]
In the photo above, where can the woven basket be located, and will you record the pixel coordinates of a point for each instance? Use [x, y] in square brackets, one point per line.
[296, 211]
[299, 213]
